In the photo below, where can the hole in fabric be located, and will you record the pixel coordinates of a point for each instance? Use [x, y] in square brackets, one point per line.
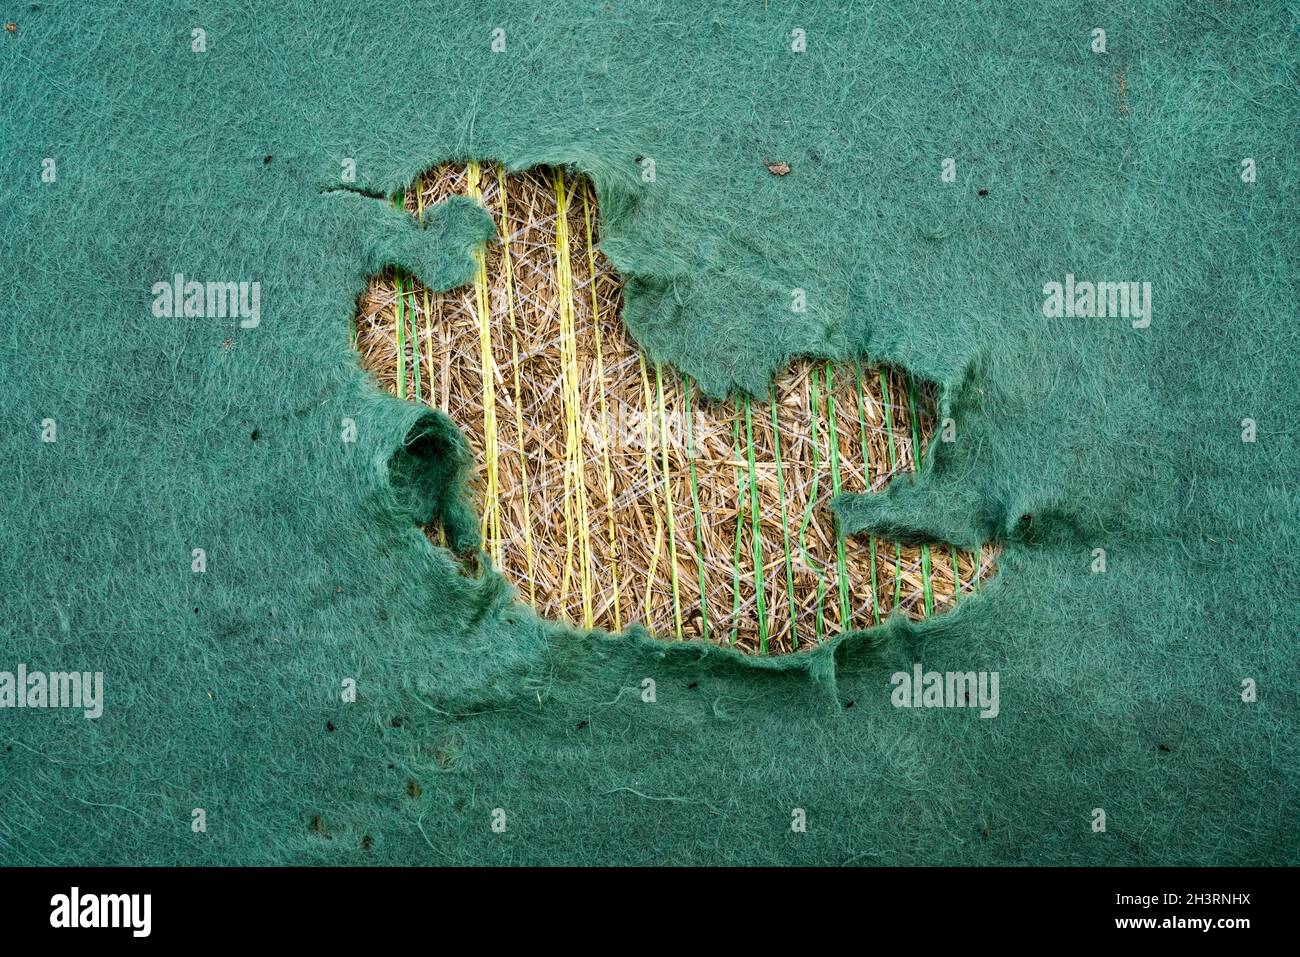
[426, 475]
[612, 492]
[419, 471]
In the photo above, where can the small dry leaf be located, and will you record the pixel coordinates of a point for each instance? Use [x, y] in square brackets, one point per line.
[777, 169]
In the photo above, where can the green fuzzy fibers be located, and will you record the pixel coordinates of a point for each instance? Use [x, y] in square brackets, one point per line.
[224, 689]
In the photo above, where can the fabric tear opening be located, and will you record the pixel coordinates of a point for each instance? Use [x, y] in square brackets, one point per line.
[612, 492]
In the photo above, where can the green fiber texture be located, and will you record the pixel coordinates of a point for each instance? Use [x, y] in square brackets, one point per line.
[223, 689]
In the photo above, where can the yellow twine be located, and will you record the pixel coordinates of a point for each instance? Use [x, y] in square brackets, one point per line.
[491, 527]
[604, 417]
[575, 480]
[519, 414]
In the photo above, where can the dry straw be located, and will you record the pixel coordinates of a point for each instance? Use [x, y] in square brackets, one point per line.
[611, 491]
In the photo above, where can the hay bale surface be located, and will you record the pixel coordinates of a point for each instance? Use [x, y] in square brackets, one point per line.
[611, 491]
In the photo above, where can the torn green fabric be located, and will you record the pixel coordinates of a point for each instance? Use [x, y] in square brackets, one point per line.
[221, 145]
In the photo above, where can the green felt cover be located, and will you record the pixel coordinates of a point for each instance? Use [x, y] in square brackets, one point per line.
[224, 688]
